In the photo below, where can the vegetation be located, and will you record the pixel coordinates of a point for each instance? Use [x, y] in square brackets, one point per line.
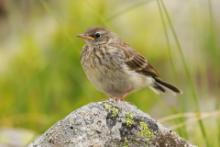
[41, 79]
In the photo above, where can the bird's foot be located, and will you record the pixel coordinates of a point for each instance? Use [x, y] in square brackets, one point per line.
[120, 98]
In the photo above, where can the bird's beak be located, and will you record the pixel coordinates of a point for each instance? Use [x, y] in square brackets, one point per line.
[86, 37]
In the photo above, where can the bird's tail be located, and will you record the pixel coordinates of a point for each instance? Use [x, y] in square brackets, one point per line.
[162, 86]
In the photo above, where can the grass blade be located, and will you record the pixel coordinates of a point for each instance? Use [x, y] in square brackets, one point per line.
[186, 69]
[182, 131]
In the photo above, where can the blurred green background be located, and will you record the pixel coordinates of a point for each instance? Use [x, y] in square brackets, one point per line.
[41, 79]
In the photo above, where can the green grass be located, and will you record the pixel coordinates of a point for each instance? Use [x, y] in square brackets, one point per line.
[186, 69]
[42, 80]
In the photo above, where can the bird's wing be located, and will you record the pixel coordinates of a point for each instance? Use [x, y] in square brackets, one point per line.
[136, 62]
[139, 64]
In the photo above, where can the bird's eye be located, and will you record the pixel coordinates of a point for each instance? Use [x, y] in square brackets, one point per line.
[97, 35]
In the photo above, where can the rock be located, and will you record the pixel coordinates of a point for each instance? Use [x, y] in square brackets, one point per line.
[109, 124]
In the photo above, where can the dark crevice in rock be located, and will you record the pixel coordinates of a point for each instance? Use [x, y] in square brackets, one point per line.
[110, 120]
[112, 114]
[51, 141]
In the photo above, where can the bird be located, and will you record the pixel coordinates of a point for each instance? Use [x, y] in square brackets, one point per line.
[117, 69]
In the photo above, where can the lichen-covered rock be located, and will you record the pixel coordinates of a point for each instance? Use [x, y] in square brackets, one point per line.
[109, 124]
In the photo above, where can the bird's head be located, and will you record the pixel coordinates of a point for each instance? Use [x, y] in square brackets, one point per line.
[97, 36]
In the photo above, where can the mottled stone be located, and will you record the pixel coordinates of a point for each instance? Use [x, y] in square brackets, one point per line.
[109, 124]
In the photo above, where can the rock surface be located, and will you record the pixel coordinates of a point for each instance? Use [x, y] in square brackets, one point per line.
[109, 124]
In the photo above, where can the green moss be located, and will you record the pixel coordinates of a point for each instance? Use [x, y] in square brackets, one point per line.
[129, 119]
[125, 143]
[145, 131]
[112, 109]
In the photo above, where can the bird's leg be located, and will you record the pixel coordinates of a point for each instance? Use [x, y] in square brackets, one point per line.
[118, 98]
[114, 98]
[121, 98]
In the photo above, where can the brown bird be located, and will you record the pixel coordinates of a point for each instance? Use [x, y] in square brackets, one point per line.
[115, 68]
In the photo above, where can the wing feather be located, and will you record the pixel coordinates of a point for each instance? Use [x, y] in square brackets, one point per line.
[136, 62]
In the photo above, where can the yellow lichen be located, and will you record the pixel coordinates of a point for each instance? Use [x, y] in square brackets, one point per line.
[107, 106]
[129, 120]
[145, 130]
[114, 110]
[125, 143]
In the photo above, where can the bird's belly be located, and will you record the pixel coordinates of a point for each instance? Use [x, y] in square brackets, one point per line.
[114, 83]
[110, 74]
